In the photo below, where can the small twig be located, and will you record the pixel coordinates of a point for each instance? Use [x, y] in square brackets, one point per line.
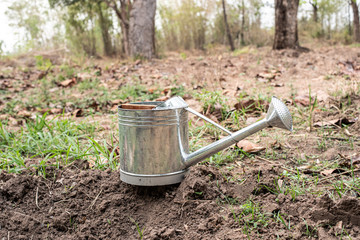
[93, 202]
[343, 157]
[344, 139]
[343, 173]
[276, 164]
[242, 182]
[64, 200]
[36, 197]
[27, 216]
[116, 140]
[8, 235]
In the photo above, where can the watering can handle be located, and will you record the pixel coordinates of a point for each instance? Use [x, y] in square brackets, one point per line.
[208, 120]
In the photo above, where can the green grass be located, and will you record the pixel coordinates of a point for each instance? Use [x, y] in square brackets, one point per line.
[251, 218]
[57, 142]
[212, 99]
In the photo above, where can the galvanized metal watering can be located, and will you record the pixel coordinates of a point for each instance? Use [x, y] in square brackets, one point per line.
[154, 146]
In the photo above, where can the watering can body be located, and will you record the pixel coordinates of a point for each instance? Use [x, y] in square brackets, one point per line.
[149, 145]
[154, 144]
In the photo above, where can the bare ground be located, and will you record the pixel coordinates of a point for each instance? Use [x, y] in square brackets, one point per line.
[211, 203]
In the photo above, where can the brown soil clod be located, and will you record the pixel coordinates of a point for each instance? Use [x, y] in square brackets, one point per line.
[92, 204]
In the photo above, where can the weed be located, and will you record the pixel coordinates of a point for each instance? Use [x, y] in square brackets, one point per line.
[213, 100]
[138, 229]
[136, 92]
[313, 105]
[43, 64]
[225, 156]
[183, 55]
[251, 218]
[89, 84]
[310, 231]
[67, 70]
[52, 142]
[322, 144]
[280, 218]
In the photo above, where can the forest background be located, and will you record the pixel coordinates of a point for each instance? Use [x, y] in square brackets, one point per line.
[101, 28]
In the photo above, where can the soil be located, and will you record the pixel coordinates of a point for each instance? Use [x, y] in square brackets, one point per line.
[77, 203]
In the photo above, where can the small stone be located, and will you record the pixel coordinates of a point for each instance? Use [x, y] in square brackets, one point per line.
[202, 227]
[170, 232]
[323, 235]
[281, 198]
[271, 208]
[338, 228]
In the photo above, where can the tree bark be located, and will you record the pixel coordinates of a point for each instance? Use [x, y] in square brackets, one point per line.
[356, 27]
[315, 12]
[104, 25]
[123, 13]
[242, 40]
[142, 29]
[286, 30]
[227, 29]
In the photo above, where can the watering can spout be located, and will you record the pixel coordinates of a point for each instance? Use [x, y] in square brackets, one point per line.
[278, 115]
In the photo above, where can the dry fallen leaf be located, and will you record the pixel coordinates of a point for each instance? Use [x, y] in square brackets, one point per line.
[116, 101]
[24, 113]
[77, 113]
[14, 122]
[114, 108]
[325, 123]
[68, 82]
[56, 110]
[335, 122]
[251, 120]
[161, 99]
[303, 100]
[151, 90]
[156, 76]
[350, 161]
[84, 75]
[249, 147]
[305, 167]
[277, 84]
[327, 172]
[251, 105]
[137, 62]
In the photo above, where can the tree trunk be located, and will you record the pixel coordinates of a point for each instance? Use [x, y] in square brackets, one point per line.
[356, 23]
[125, 38]
[242, 40]
[315, 12]
[227, 29]
[142, 29]
[123, 14]
[104, 25]
[286, 31]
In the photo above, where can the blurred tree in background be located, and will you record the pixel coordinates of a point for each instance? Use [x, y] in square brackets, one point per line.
[286, 26]
[134, 27]
[356, 24]
[24, 15]
[142, 29]
[86, 16]
[184, 24]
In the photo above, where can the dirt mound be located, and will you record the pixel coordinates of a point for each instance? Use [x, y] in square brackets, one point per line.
[91, 204]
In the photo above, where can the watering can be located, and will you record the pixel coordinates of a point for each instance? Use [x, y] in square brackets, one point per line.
[154, 142]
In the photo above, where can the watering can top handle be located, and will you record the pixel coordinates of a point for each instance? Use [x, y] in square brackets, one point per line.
[208, 120]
